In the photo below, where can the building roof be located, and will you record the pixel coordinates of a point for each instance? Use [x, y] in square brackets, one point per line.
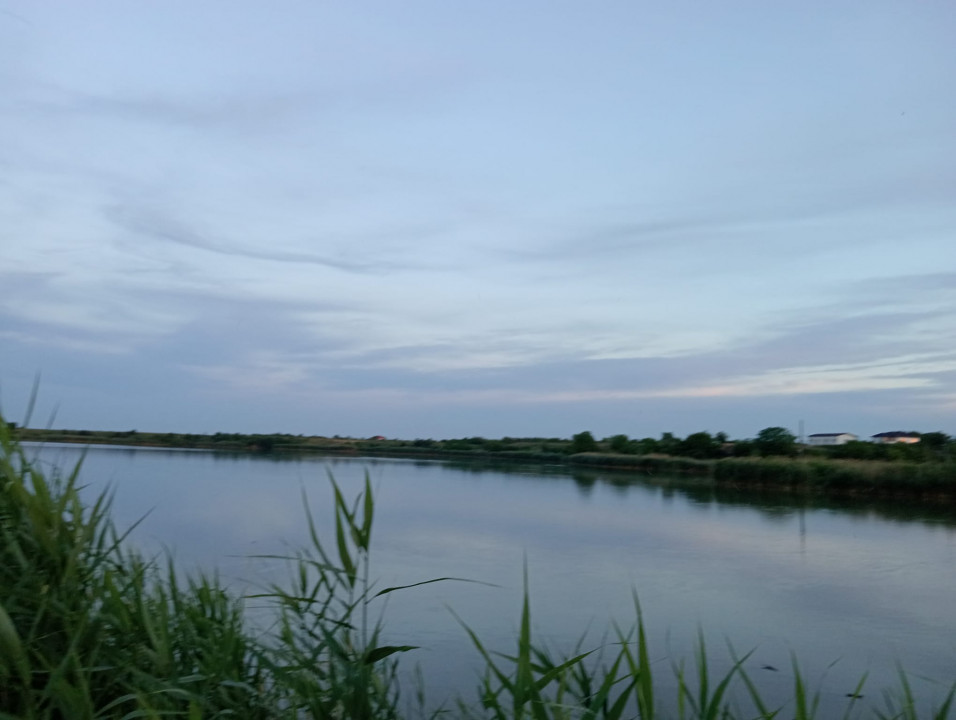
[896, 434]
[829, 434]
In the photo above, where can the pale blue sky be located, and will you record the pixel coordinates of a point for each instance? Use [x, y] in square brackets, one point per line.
[434, 219]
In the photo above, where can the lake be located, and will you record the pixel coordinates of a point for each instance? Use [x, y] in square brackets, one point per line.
[847, 590]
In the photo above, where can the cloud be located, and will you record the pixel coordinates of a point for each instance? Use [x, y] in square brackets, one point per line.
[825, 336]
[890, 374]
[264, 99]
[164, 227]
[916, 290]
[72, 305]
[743, 220]
[278, 353]
[894, 333]
[812, 353]
[442, 210]
[248, 112]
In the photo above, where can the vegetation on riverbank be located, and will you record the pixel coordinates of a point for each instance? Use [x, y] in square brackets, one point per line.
[772, 459]
[88, 629]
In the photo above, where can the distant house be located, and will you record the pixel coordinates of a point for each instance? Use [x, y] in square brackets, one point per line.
[831, 438]
[377, 437]
[896, 436]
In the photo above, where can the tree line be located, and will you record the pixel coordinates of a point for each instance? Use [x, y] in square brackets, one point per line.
[769, 442]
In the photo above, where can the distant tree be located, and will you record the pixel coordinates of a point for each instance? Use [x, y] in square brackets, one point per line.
[934, 438]
[699, 445]
[262, 443]
[742, 448]
[934, 442]
[583, 442]
[905, 452]
[858, 450]
[776, 441]
[721, 437]
[668, 444]
[620, 444]
[456, 445]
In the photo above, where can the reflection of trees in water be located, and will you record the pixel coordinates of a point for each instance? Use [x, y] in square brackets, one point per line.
[781, 506]
[774, 504]
[585, 482]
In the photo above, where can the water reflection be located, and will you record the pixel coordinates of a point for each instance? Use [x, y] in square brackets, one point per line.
[585, 482]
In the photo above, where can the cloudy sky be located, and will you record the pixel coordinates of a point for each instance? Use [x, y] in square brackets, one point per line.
[444, 219]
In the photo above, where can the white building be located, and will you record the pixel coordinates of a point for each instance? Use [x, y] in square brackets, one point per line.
[897, 436]
[831, 438]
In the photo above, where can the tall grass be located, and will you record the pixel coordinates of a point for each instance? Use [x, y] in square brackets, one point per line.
[89, 629]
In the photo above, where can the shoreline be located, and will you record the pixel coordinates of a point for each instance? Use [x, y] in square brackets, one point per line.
[928, 482]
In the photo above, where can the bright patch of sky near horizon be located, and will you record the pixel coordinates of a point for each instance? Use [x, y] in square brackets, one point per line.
[433, 220]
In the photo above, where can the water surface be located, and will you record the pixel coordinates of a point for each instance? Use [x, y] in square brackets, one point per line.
[859, 586]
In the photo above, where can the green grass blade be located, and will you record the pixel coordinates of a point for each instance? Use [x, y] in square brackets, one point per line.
[854, 696]
[380, 653]
[943, 712]
[341, 519]
[392, 589]
[368, 514]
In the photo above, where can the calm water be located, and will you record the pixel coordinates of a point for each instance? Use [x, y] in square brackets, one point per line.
[859, 587]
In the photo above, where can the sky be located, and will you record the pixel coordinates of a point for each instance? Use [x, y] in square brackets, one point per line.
[436, 219]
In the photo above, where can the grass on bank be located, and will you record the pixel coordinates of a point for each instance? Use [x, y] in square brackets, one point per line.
[89, 629]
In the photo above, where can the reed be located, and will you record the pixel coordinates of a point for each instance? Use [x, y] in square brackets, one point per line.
[91, 630]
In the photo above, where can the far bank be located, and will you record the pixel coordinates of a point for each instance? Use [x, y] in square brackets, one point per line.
[812, 470]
